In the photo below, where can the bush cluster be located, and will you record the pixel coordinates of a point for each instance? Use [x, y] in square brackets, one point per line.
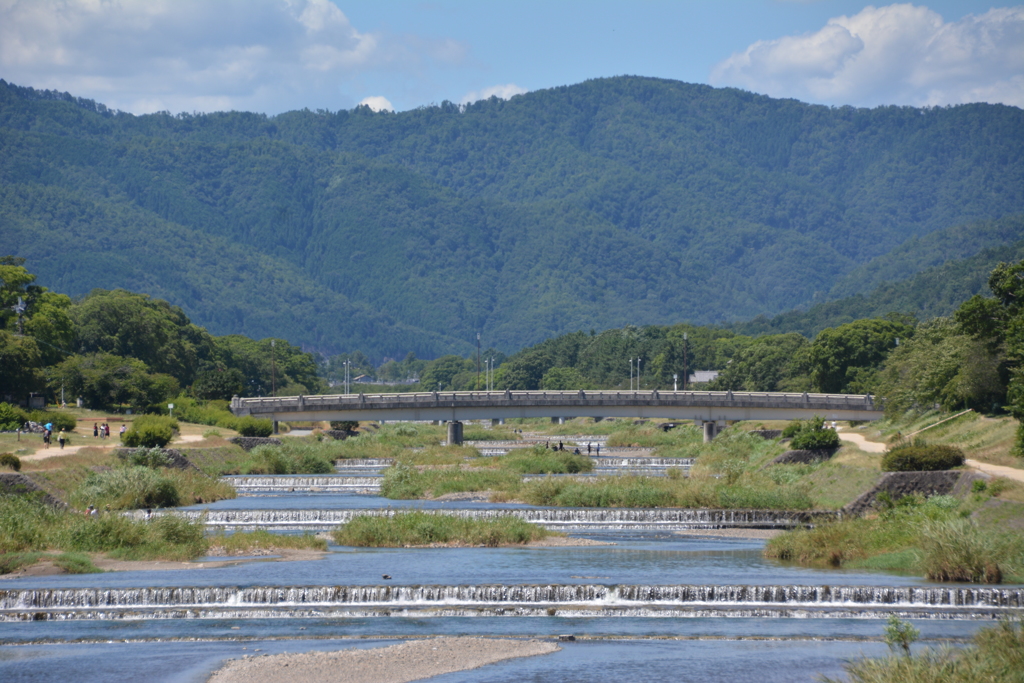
[922, 458]
[811, 435]
[423, 528]
[13, 417]
[150, 431]
[298, 458]
[11, 461]
[253, 426]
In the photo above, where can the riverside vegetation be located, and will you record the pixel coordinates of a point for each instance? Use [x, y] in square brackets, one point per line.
[995, 655]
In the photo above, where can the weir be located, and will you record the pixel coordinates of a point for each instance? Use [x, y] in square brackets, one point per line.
[304, 483]
[220, 602]
[556, 519]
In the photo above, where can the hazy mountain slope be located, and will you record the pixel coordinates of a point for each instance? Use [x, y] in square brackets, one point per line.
[933, 292]
[615, 201]
[919, 253]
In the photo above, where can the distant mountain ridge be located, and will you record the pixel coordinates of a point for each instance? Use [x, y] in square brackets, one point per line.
[611, 202]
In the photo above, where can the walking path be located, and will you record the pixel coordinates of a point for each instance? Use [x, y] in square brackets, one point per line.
[995, 470]
[860, 442]
[82, 441]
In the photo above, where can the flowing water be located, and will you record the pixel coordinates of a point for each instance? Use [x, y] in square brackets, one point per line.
[648, 604]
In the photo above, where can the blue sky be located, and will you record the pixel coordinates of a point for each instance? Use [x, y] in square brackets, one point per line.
[278, 55]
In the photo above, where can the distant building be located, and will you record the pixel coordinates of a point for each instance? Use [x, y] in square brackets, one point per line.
[703, 376]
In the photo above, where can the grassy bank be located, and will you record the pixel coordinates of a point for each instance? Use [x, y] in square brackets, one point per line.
[936, 538]
[421, 528]
[31, 532]
[995, 655]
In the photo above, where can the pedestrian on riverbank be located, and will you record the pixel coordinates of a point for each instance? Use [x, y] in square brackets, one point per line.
[46, 438]
[95, 429]
[61, 438]
[106, 430]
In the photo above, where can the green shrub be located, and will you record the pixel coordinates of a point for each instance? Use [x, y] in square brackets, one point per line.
[252, 426]
[268, 459]
[147, 457]
[76, 563]
[956, 550]
[346, 425]
[401, 482]
[813, 435]
[540, 460]
[310, 463]
[10, 460]
[150, 431]
[922, 458]
[11, 417]
[60, 420]
[792, 429]
[127, 488]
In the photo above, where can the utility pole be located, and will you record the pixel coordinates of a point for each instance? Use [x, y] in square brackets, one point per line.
[638, 373]
[631, 374]
[273, 368]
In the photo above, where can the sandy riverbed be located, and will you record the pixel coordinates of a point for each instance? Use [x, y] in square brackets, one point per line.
[408, 661]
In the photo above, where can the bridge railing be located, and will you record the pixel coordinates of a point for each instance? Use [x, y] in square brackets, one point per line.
[579, 397]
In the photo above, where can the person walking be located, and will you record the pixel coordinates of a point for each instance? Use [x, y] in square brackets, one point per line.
[46, 438]
[106, 430]
[95, 429]
[61, 438]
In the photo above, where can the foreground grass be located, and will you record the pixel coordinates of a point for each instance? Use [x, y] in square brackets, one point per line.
[929, 538]
[996, 655]
[421, 528]
[71, 563]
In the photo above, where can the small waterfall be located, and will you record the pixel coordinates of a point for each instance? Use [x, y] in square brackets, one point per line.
[559, 519]
[967, 602]
[363, 463]
[303, 483]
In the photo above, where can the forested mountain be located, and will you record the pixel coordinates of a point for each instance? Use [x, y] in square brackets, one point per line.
[615, 201]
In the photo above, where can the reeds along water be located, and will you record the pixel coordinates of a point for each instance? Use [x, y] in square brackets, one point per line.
[508, 600]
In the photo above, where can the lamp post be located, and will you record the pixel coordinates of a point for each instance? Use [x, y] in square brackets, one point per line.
[273, 368]
[631, 374]
[686, 370]
[638, 373]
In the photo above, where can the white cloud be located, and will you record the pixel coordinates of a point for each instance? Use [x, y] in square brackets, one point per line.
[377, 103]
[899, 54]
[194, 55]
[505, 92]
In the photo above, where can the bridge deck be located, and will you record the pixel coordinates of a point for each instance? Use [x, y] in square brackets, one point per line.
[700, 406]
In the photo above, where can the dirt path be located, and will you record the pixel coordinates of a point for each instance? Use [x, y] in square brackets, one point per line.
[860, 442]
[997, 470]
[81, 441]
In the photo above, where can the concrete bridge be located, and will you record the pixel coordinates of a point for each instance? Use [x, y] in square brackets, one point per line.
[711, 409]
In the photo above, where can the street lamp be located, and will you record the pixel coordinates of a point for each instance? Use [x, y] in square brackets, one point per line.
[686, 370]
[631, 374]
[638, 373]
[273, 368]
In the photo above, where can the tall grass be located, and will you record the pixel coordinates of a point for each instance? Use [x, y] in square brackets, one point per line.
[540, 460]
[996, 655]
[403, 481]
[421, 528]
[929, 538]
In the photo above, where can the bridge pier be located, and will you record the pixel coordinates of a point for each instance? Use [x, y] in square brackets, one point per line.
[495, 421]
[455, 433]
[710, 431]
[275, 427]
[558, 420]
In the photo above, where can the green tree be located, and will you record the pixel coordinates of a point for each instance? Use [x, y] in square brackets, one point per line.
[563, 379]
[770, 363]
[439, 374]
[20, 371]
[839, 356]
[133, 325]
[106, 381]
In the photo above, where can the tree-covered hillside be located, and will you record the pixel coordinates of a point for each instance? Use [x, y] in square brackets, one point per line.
[615, 201]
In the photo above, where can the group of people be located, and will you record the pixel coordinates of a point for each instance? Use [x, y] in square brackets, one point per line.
[62, 436]
[561, 447]
[100, 430]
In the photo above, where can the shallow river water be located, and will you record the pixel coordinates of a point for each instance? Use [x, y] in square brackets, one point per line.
[159, 639]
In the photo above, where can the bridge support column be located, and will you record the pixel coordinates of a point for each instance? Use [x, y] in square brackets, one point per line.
[455, 433]
[495, 421]
[710, 430]
[558, 420]
[275, 427]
